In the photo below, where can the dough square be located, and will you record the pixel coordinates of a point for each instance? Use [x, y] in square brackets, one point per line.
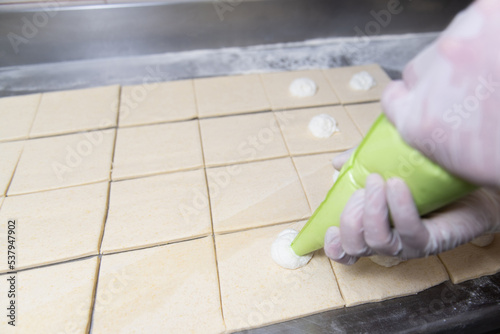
[230, 95]
[53, 299]
[56, 225]
[256, 194]
[16, 116]
[294, 125]
[9, 157]
[339, 80]
[364, 115]
[469, 261]
[166, 289]
[366, 281]
[154, 149]
[256, 291]
[277, 88]
[157, 102]
[228, 140]
[76, 110]
[157, 209]
[316, 174]
[64, 161]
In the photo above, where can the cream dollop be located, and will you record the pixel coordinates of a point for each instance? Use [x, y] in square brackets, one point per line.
[322, 126]
[385, 261]
[303, 87]
[362, 81]
[283, 254]
[483, 240]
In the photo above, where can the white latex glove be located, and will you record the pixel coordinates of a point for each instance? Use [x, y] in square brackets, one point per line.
[448, 107]
[365, 229]
[448, 104]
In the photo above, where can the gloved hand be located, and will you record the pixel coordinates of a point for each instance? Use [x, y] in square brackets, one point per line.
[365, 229]
[448, 104]
[448, 107]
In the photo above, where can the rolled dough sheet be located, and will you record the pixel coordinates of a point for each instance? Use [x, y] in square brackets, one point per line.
[16, 116]
[364, 115]
[159, 148]
[256, 194]
[63, 161]
[9, 156]
[256, 291]
[468, 261]
[157, 102]
[166, 289]
[76, 110]
[157, 209]
[230, 95]
[228, 140]
[294, 125]
[55, 225]
[316, 173]
[339, 80]
[277, 88]
[53, 299]
[366, 281]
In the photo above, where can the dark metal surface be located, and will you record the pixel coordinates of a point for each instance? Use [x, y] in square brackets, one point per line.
[469, 307]
[391, 52]
[57, 34]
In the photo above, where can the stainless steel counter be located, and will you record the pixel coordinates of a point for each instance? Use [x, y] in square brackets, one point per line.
[52, 47]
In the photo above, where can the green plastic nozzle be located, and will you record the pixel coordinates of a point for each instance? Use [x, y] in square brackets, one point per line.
[384, 152]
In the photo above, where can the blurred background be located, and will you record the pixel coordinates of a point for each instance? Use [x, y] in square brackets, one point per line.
[54, 45]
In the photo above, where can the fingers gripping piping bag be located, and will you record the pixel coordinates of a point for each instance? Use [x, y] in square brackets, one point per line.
[382, 151]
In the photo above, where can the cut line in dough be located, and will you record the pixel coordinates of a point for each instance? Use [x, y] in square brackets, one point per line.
[52, 299]
[63, 161]
[230, 95]
[157, 102]
[242, 138]
[76, 110]
[469, 261]
[9, 157]
[172, 206]
[366, 282]
[364, 115]
[256, 292]
[55, 226]
[165, 289]
[255, 194]
[16, 116]
[154, 149]
[315, 172]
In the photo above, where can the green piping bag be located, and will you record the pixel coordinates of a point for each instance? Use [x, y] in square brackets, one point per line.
[382, 151]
